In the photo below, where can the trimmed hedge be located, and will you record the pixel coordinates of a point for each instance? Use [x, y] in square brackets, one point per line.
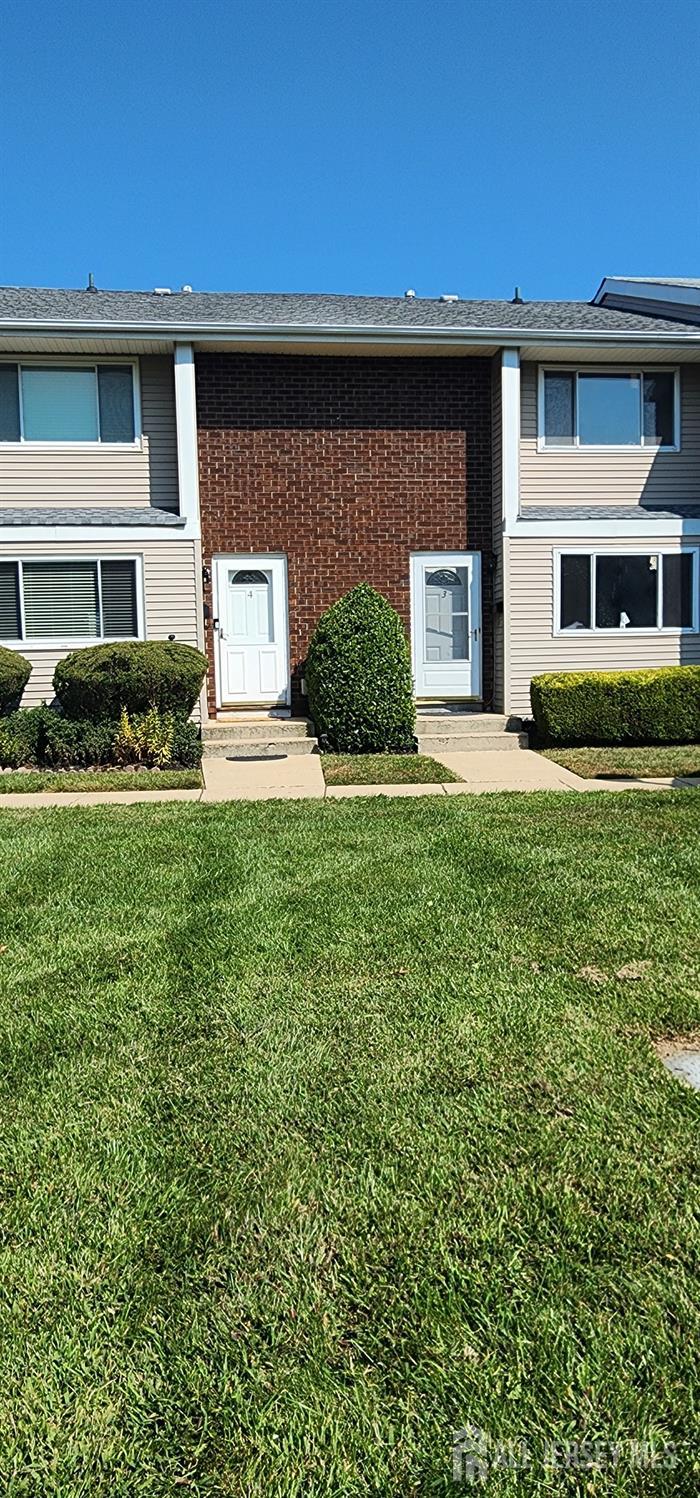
[39, 737]
[618, 707]
[98, 682]
[15, 672]
[358, 676]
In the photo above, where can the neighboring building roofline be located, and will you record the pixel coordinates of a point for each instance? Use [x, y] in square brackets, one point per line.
[683, 293]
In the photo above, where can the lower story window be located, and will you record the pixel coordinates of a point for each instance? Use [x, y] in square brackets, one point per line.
[45, 600]
[628, 590]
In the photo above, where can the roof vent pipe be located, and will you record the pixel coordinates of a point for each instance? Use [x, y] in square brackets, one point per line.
[91, 283]
[517, 298]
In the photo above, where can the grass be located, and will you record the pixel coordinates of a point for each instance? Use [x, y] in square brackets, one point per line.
[331, 1127]
[384, 769]
[649, 760]
[98, 780]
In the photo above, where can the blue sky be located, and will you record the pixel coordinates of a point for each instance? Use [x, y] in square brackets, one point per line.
[366, 147]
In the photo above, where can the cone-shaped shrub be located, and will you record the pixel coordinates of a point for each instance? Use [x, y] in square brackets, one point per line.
[15, 672]
[358, 676]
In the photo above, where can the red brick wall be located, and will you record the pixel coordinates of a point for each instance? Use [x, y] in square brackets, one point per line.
[348, 465]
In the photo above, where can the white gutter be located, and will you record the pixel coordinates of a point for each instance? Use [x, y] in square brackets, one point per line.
[134, 535]
[323, 333]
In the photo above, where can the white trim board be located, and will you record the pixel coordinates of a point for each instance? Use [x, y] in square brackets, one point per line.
[186, 433]
[510, 433]
[9, 534]
[651, 530]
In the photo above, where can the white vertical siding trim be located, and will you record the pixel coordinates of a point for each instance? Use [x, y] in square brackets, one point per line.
[186, 425]
[497, 528]
[507, 609]
[510, 419]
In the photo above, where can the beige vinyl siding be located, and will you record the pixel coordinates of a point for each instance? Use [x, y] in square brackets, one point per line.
[169, 585]
[80, 474]
[160, 434]
[638, 474]
[497, 530]
[532, 645]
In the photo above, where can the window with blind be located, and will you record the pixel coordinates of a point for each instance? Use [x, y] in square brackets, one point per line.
[67, 403]
[79, 600]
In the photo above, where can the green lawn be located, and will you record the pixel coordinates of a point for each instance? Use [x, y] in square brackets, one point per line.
[331, 1127]
[384, 769]
[653, 760]
[98, 780]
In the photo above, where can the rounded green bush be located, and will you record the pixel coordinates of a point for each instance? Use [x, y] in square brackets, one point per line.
[15, 672]
[98, 682]
[358, 676]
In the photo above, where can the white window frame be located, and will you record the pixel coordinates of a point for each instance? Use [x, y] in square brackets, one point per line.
[608, 447]
[648, 629]
[78, 642]
[35, 361]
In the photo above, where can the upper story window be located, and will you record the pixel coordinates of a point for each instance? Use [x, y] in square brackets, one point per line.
[67, 403]
[610, 408]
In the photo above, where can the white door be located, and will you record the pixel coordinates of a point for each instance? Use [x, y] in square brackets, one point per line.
[446, 624]
[251, 626]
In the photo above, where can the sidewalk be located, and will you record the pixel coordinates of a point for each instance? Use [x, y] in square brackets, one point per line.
[300, 777]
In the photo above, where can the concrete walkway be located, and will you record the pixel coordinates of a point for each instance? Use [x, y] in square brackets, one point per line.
[295, 777]
[300, 777]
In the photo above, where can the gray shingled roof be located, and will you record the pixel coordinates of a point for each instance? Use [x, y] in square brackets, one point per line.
[84, 515]
[202, 309]
[610, 512]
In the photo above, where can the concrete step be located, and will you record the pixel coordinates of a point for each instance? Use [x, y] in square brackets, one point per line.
[265, 729]
[449, 743]
[459, 724]
[280, 745]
